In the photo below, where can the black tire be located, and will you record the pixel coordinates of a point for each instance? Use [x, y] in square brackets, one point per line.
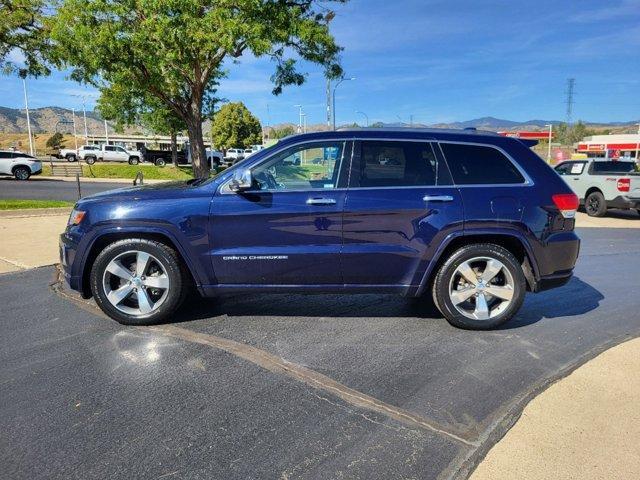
[160, 162]
[71, 158]
[21, 173]
[446, 272]
[171, 263]
[595, 205]
[134, 161]
[90, 160]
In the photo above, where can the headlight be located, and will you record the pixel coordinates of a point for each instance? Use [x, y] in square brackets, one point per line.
[76, 217]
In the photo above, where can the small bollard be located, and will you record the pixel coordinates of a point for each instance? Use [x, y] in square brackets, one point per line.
[139, 176]
[78, 183]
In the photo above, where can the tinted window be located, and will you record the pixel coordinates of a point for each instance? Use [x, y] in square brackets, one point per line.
[613, 167]
[303, 167]
[5, 155]
[476, 164]
[109, 149]
[395, 164]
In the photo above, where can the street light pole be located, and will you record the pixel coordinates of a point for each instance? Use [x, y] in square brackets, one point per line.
[638, 148]
[550, 137]
[334, 98]
[75, 135]
[299, 118]
[106, 133]
[365, 116]
[304, 123]
[84, 114]
[26, 107]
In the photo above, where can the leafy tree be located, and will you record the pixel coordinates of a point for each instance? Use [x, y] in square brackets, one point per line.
[55, 141]
[125, 105]
[235, 126]
[22, 29]
[282, 132]
[174, 51]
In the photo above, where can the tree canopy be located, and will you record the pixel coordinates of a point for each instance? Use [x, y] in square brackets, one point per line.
[23, 33]
[235, 126]
[175, 51]
[55, 141]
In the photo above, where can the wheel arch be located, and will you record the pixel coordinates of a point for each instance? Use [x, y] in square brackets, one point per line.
[591, 190]
[108, 237]
[511, 241]
[15, 167]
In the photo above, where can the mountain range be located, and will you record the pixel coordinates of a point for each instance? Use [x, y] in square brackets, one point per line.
[50, 119]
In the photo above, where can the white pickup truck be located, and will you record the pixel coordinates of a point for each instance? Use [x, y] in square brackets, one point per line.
[108, 153]
[601, 184]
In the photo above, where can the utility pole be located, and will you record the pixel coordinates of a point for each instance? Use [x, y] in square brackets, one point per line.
[26, 107]
[638, 148]
[106, 133]
[75, 135]
[304, 123]
[571, 82]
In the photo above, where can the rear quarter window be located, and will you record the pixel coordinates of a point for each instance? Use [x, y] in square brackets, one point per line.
[612, 167]
[480, 165]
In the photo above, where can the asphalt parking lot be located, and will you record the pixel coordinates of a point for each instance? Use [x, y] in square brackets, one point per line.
[291, 386]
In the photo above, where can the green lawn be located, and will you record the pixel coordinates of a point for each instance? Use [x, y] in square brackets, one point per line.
[150, 172]
[15, 204]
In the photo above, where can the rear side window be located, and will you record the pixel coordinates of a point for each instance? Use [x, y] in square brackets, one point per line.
[479, 165]
[395, 164]
[613, 167]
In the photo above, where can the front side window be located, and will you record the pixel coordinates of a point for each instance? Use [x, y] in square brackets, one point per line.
[396, 164]
[109, 149]
[480, 165]
[303, 167]
[570, 168]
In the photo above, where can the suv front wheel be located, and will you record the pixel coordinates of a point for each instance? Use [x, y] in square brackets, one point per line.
[479, 287]
[138, 281]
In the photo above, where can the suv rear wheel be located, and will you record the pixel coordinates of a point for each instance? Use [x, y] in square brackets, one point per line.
[479, 287]
[133, 161]
[160, 162]
[595, 205]
[71, 158]
[138, 281]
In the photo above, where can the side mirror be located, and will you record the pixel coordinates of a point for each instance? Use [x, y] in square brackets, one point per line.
[242, 180]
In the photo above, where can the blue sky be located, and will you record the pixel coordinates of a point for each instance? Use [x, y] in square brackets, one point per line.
[443, 61]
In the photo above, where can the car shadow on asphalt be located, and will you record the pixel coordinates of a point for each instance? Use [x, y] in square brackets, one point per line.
[575, 298]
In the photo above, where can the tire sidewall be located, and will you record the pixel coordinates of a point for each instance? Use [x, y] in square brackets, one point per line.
[21, 169]
[602, 207]
[90, 160]
[169, 260]
[442, 280]
[133, 161]
[160, 162]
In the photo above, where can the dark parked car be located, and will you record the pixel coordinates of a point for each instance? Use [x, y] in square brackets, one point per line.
[162, 157]
[472, 220]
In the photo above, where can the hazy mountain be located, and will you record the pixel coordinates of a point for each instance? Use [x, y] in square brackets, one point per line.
[49, 119]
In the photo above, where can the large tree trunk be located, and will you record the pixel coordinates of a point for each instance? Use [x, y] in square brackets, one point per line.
[174, 148]
[196, 141]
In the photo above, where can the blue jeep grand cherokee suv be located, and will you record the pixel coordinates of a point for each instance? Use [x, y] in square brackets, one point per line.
[473, 220]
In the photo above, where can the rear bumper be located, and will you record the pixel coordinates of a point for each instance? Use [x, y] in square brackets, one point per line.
[553, 281]
[622, 201]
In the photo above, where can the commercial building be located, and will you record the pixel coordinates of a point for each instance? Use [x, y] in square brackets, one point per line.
[612, 146]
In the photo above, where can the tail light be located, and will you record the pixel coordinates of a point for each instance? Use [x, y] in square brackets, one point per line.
[567, 203]
[624, 184]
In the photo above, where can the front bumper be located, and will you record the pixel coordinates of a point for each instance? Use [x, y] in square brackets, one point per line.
[68, 249]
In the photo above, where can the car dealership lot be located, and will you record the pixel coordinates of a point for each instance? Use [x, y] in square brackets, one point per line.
[289, 386]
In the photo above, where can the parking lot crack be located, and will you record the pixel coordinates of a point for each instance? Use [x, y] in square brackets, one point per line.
[310, 377]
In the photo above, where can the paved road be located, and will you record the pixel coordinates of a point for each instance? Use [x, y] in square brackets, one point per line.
[51, 189]
[290, 386]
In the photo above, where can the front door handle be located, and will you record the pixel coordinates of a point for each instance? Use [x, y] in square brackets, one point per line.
[437, 198]
[321, 201]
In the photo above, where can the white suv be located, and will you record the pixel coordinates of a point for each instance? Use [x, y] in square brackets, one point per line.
[19, 165]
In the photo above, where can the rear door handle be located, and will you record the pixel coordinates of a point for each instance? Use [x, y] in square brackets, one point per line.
[437, 198]
[321, 201]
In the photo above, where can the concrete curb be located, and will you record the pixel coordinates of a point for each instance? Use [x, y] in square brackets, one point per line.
[128, 181]
[34, 212]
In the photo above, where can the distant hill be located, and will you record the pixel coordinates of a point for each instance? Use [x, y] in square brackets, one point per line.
[47, 119]
[44, 120]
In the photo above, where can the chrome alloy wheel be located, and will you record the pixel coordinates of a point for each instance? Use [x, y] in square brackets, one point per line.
[481, 288]
[136, 283]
